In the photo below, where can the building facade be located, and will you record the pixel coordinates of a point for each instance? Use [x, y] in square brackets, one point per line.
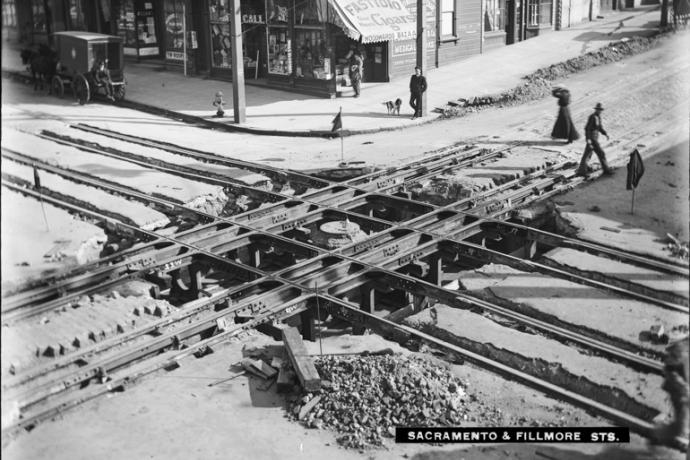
[300, 45]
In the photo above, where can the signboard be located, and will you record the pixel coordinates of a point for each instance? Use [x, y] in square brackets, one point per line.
[174, 55]
[380, 21]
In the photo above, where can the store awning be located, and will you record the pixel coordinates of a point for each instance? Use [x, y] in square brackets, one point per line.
[374, 20]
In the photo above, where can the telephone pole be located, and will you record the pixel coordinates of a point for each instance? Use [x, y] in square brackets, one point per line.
[239, 103]
[421, 46]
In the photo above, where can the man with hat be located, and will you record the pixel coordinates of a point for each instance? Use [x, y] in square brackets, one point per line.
[592, 130]
[417, 87]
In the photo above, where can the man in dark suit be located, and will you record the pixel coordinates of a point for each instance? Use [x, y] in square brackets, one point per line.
[592, 130]
[417, 88]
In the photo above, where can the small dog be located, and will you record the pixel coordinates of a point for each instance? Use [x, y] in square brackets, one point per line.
[393, 107]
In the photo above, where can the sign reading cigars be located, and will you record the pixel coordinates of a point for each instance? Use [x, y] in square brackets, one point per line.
[380, 20]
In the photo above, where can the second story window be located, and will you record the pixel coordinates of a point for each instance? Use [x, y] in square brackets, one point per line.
[448, 18]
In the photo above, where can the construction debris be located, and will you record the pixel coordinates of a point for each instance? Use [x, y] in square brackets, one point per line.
[678, 249]
[365, 397]
[258, 368]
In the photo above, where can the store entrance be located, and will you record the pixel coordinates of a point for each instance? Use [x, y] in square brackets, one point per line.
[375, 62]
[375, 56]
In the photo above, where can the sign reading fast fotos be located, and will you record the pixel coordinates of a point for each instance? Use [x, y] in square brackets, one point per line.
[381, 20]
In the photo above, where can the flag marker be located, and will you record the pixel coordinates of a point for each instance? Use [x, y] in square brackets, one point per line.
[635, 173]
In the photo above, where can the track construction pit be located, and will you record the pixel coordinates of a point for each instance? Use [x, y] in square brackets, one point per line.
[446, 251]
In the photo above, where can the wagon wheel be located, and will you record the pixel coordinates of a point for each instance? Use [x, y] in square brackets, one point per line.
[81, 89]
[119, 92]
[57, 86]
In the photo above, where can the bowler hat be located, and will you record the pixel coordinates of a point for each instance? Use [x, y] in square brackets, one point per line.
[599, 106]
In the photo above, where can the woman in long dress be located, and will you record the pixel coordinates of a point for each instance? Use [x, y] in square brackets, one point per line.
[564, 127]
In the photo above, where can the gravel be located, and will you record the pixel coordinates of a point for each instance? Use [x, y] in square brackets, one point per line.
[364, 397]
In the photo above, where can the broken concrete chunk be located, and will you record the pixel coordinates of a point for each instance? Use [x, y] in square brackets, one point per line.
[308, 407]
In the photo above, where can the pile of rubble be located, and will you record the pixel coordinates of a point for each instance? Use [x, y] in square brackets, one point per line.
[677, 248]
[365, 397]
[447, 189]
[538, 84]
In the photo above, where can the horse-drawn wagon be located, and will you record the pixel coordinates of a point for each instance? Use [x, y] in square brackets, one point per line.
[79, 55]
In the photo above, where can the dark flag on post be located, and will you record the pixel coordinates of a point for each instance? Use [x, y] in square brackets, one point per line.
[337, 122]
[37, 180]
[635, 170]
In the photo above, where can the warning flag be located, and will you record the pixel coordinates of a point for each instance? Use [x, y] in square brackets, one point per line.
[337, 122]
[635, 170]
[37, 180]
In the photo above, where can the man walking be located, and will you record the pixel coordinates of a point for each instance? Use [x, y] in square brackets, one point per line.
[417, 88]
[592, 130]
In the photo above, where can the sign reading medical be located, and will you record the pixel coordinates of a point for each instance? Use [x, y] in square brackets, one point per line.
[379, 20]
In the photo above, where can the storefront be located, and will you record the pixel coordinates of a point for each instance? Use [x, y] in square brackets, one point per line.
[253, 18]
[310, 42]
[137, 26]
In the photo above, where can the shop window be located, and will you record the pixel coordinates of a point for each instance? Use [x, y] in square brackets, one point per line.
[126, 27]
[494, 15]
[313, 55]
[9, 13]
[279, 51]
[448, 18]
[39, 16]
[221, 41]
[174, 30]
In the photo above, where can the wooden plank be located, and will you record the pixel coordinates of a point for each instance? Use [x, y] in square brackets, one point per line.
[300, 359]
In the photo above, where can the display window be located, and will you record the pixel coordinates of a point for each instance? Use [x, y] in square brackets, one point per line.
[174, 30]
[126, 27]
[279, 51]
[219, 12]
[313, 55]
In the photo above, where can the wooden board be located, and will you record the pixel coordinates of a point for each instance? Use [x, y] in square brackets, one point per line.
[301, 361]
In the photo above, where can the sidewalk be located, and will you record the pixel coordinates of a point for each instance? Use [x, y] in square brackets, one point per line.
[281, 112]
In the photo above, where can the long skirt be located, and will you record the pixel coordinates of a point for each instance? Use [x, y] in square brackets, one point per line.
[564, 127]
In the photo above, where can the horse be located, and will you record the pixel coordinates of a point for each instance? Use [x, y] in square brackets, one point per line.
[42, 63]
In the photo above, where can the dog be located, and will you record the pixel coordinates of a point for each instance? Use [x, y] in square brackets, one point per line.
[393, 107]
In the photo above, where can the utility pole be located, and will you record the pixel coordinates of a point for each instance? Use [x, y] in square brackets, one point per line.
[421, 46]
[239, 104]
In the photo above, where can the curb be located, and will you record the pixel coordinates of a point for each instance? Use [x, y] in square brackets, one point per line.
[208, 124]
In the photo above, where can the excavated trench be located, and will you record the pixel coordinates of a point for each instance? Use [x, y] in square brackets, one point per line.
[551, 372]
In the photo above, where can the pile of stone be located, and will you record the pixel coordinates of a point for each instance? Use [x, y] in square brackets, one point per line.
[364, 398]
[447, 189]
[677, 248]
[539, 84]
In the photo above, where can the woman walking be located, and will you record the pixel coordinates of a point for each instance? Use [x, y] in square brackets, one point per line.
[564, 127]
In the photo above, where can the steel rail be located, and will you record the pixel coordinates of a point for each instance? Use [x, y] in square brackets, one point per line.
[190, 309]
[442, 158]
[91, 181]
[625, 292]
[175, 170]
[643, 427]
[555, 240]
[277, 173]
[154, 364]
